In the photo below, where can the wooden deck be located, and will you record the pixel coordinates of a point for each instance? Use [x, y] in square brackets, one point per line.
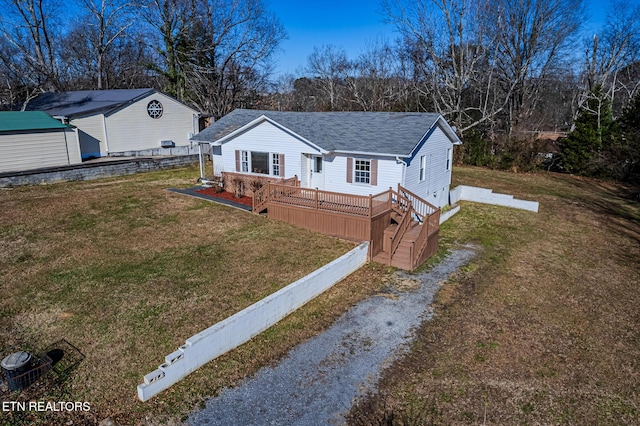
[401, 227]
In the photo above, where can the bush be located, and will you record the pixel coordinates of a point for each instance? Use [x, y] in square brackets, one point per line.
[238, 187]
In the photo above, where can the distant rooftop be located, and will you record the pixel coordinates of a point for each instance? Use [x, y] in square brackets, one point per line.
[85, 102]
[11, 121]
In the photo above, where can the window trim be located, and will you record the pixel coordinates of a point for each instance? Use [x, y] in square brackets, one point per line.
[260, 155]
[244, 163]
[275, 164]
[318, 161]
[365, 175]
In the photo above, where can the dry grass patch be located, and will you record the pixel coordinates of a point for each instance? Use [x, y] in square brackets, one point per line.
[543, 327]
[126, 271]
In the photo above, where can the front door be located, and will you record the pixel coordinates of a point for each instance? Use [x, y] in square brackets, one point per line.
[316, 172]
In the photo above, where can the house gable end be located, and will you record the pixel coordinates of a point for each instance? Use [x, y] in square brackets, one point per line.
[261, 120]
[149, 94]
[444, 127]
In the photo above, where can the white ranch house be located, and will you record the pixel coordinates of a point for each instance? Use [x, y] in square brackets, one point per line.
[357, 153]
[124, 122]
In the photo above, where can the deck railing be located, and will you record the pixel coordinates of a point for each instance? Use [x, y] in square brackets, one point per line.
[403, 225]
[431, 225]
[335, 202]
[407, 205]
[421, 207]
[410, 206]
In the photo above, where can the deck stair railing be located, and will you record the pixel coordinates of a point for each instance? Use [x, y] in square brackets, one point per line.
[402, 207]
[415, 218]
[261, 198]
[409, 206]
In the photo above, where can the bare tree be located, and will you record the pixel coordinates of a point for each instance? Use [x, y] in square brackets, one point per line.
[29, 27]
[169, 24]
[611, 52]
[329, 66]
[107, 21]
[17, 82]
[215, 53]
[533, 39]
[230, 59]
[373, 78]
[452, 57]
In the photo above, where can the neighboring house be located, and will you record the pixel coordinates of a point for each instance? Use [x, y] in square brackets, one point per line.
[124, 122]
[359, 153]
[33, 140]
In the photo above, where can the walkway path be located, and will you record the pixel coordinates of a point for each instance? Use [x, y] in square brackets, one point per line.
[318, 381]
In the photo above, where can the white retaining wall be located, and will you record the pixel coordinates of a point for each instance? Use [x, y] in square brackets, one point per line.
[487, 196]
[241, 327]
[446, 215]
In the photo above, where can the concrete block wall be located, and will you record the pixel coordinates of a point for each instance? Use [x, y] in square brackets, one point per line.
[230, 333]
[487, 196]
[94, 170]
[155, 152]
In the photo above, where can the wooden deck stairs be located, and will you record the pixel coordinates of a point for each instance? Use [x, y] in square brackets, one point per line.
[412, 236]
[402, 228]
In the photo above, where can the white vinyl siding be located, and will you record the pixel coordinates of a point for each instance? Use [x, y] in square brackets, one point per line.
[434, 188]
[389, 174]
[131, 128]
[91, 135]
[265, 137]
[34, 150]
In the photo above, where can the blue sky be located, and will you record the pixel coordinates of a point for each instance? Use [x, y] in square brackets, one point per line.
[349, 24]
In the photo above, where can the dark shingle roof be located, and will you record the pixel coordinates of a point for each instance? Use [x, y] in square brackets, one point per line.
[395, 133]
[11, 121]
[69, 104]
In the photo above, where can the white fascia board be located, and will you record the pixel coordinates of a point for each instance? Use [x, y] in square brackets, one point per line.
[264, 118]
[371, 154]
[449, 131]
[440, 121]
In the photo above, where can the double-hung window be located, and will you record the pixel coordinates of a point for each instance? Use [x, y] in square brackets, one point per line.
[245, 161]
[275, 164]
[423, 167]
[362, 171]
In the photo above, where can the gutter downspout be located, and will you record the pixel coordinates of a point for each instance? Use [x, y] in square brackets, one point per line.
[201, 161]
[106, 137]
[404, 169]
[66, 145]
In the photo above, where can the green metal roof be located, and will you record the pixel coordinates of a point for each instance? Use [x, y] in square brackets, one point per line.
[11, 121]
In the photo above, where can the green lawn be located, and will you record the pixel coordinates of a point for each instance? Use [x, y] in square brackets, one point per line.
[543, 327]
[126, 271]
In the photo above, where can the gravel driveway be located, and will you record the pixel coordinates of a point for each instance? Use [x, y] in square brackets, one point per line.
[318, 380]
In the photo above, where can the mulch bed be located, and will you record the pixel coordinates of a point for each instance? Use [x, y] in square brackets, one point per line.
[210, 192]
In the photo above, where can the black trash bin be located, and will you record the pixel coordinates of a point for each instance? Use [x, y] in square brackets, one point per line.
[15, 368]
